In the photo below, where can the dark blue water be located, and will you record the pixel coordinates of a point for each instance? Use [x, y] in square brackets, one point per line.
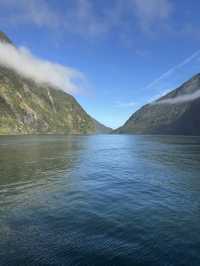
[99, 200]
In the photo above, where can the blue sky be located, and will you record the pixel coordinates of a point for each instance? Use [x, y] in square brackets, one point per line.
[129, 51]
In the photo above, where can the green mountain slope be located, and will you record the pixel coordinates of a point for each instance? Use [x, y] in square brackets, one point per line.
[29, 108]
[175, 118]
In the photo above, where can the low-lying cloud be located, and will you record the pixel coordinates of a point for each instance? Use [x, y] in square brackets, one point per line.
[41, 71]
[180, 99]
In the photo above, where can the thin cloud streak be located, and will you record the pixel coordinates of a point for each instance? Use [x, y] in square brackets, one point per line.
[172, 70]
[42, 71]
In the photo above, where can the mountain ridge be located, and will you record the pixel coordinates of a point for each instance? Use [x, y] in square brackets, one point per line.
[4, 38]
[27, 107]
[165, 118]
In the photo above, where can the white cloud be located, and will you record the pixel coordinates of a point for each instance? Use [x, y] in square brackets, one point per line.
[159, 95]
[180, 99]
[85, 17]
[37, 12]
[78, 16]
[163, 78]
[44, 72]
[151, 11]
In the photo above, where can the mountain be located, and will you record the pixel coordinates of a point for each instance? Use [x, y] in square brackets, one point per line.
[29, 108]
[177, 113]
[4, 38]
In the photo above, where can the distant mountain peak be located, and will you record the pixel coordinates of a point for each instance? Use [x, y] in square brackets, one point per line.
[178, 116]
[4, 38]
[188, 88]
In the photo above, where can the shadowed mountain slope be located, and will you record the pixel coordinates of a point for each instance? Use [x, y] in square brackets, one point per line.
[177, 113]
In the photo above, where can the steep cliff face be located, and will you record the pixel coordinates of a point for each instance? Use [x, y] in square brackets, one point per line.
[171, 114]
[29, 108]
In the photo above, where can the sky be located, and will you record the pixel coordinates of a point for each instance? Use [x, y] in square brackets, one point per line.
[113, 56]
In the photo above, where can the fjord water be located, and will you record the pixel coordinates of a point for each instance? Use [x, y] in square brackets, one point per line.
[99, 200]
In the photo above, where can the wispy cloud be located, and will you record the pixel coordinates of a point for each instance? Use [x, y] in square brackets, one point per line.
[172, 70]
[78, 16]
[159, 95]
[44, 72]
[83, 16]
[167, 76]
[37, 12]
[180, 99]
[150, 12]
